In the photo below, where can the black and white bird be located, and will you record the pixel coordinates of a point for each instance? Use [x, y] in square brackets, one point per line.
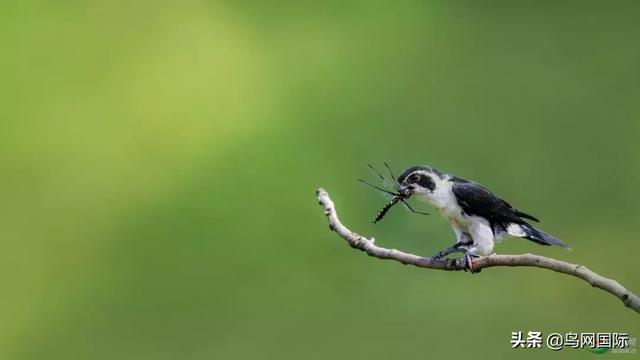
[478, 217]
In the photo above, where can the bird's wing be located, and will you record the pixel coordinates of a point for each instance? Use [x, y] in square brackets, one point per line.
[474, 199]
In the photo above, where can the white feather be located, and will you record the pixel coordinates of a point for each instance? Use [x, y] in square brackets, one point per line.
[515, 230]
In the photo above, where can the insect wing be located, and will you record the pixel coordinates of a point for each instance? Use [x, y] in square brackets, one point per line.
[386, 183]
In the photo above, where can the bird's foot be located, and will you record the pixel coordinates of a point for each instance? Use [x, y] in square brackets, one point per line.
[442, 253]
[455, 248]
[467, 262]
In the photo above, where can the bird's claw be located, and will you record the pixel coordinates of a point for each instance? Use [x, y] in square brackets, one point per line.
[467, 263]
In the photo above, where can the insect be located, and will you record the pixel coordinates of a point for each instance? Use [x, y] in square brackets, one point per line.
[396, 196]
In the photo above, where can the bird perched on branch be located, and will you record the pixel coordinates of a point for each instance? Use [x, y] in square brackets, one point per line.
[478, 217]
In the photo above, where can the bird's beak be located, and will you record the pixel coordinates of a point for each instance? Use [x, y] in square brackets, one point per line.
[405, 191]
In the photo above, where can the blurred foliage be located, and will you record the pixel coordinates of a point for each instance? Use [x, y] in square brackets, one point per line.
[159, 161]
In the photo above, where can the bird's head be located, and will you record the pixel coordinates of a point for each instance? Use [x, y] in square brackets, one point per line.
[419, 180]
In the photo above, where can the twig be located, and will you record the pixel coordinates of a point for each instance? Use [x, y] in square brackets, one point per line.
[367, 245]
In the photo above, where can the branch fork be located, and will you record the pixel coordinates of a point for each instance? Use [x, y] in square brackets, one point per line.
[367, 245]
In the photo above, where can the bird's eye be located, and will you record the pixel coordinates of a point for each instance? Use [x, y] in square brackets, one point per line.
[414, 178]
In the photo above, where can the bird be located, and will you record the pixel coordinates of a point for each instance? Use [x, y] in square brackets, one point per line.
[478, 217]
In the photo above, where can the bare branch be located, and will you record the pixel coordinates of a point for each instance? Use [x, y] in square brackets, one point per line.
[367, 245]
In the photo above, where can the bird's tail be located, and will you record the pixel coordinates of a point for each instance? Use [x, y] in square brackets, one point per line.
[541, 237]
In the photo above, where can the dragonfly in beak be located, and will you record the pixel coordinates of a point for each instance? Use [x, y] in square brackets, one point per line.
[399, 195]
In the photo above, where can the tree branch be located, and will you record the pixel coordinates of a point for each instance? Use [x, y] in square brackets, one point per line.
[367, 245]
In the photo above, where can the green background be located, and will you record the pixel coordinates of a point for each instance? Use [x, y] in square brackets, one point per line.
[159, 161]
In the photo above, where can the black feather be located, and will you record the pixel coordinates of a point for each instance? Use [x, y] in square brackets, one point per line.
[542, 237]
[526, 216]
[474, 199]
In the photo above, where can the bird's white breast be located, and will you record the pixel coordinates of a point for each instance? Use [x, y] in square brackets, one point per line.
[445, 202]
